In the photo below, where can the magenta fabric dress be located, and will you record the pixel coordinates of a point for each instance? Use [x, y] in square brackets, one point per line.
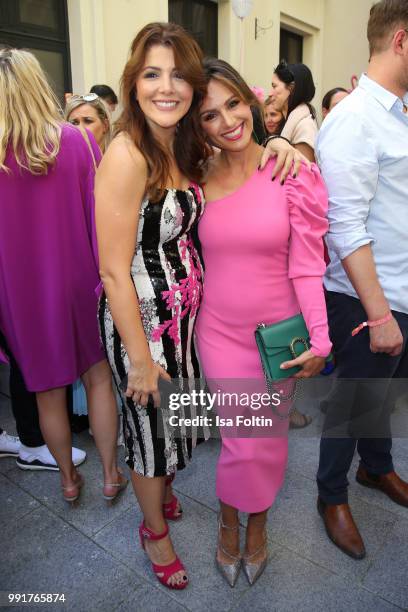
[263, 255]
[48, 274]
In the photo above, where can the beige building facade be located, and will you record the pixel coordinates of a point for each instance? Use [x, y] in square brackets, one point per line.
[333, 36]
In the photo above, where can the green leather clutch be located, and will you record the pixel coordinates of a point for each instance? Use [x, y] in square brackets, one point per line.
[281, 342]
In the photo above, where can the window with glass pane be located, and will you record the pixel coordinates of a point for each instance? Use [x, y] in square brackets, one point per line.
[291, 47]
[200, 18]
[42, 13]
[40, 26]
[52, 64]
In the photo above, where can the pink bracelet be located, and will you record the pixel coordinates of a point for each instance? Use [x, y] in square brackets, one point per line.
[385, 319]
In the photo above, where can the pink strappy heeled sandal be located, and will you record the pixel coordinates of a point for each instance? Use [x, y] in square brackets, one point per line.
[163, 572]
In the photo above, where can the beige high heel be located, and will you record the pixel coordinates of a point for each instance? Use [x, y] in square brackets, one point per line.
[75, 490]
[253, 570]
[119, 486]
[230, 571]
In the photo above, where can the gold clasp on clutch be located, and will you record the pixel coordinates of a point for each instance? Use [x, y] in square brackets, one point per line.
[294, 342]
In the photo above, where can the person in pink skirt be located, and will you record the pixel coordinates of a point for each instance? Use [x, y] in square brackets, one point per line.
[263, 254]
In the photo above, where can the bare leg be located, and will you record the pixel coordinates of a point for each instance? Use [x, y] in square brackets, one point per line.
[168, 497]
[150, 495]
[54, 425]
[168, 494]
[103, 417]
[229, 537]
[255, 536]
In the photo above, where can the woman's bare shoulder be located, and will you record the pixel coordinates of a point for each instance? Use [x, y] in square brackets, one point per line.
[123, 150]
[123, 161]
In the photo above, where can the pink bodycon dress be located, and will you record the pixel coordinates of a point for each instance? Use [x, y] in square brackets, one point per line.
[263, 255]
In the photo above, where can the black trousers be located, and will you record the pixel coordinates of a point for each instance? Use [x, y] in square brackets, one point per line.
[23, 403]
[359, 405]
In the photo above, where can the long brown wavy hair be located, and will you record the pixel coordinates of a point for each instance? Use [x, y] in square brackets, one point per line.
[190, 150]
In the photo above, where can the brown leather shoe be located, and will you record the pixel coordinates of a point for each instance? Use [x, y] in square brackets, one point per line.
[341, 528]
[390, 484]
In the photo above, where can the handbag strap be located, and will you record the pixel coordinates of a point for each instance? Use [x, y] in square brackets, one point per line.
[271, 388]
[290, 397]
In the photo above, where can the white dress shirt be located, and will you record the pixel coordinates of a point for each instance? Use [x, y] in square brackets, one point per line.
[362, 151]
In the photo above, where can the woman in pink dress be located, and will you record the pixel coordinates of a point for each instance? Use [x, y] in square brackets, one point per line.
[263, 256]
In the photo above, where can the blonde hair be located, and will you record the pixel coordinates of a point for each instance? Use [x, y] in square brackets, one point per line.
[30, 114]
[101, 108]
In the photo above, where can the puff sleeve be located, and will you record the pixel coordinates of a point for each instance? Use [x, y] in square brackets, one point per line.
[308, 202]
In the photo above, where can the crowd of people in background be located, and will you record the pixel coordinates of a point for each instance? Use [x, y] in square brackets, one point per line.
[140, 254]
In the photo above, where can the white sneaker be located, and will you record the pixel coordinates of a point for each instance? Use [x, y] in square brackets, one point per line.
[9, 445]
[40, 458]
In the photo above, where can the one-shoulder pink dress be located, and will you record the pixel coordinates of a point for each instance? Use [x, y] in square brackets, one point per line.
[263, 254]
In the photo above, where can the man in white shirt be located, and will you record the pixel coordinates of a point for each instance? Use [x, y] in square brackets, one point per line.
[362, 151]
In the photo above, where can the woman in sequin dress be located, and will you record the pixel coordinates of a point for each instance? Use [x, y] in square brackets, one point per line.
[147, 201]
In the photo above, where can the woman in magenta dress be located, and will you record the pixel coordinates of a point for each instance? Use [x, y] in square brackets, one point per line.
[48, 274]
[263, 256]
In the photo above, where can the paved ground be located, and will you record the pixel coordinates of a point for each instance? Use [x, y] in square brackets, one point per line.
[91, 553]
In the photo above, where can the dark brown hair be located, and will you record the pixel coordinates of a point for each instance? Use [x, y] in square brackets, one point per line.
[384, 17]
[299, 80]
[189, 141]
[224, 73]
[327, 98]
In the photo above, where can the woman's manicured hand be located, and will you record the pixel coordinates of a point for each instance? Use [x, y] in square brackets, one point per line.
[143, 381]
[287, 158]
[310, 364]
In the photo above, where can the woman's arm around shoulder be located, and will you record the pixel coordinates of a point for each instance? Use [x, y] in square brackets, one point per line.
[306, 150]
[288, 159]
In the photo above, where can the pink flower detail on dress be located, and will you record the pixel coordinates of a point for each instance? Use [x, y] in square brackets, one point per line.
[182, 298]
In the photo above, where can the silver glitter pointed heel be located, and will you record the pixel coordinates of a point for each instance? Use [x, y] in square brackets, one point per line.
[254, 570]
[230, 571]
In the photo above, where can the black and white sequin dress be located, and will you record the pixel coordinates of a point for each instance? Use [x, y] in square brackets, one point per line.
[167, 274]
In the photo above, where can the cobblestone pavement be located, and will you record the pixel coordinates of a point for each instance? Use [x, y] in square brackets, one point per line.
[91, 552]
